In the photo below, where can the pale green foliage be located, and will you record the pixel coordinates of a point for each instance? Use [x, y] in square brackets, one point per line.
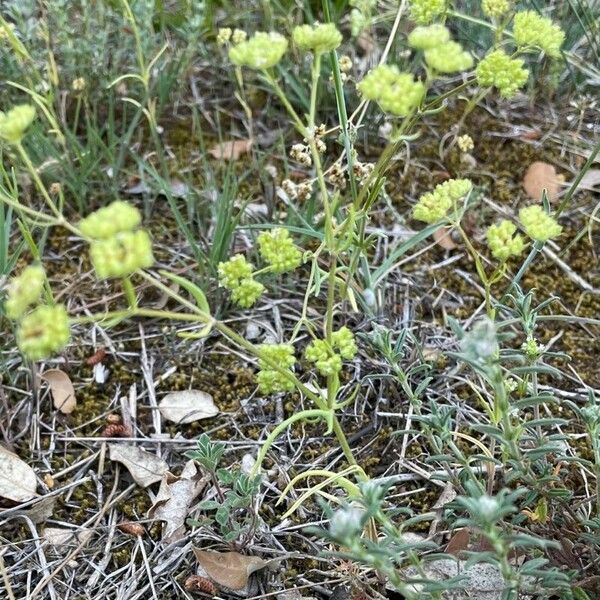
[503, 242]
[433, 206]
[499, 70]
[43, 331]
[24, 290]
[107, 221]
[269, 380]
[318, 38]
[424, 38]
[425, 11]
[122, 254]
[395, 92]
[448, 58]
[15, 122]
[495, 8]
[531, 29]
[538, 224]
[262, 51]
[278, 250]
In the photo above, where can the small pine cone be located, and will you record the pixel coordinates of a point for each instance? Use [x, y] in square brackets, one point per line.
[132, 528]
[116, 430]
[195, 583]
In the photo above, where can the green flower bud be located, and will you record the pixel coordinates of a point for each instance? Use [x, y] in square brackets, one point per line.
[503, 242]
[234, 270]
[538, 224]
[15, 122]
[495, 8]
[247, 292]
[435, 205]
[43, 331]
[395, 92]
[104, 223]
[531, 29]
[343, 342]
[318, 38]
[24, 290]
[261, 51]
[424, 38]
[278, 250]
[425, 11]
[503, 72]
[269, 380]
[122, 254]
[448, 58]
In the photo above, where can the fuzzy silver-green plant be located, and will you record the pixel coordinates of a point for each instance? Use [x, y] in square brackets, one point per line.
[501, 71]
[262, 51]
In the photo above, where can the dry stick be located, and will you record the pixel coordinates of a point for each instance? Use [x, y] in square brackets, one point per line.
[7, 585]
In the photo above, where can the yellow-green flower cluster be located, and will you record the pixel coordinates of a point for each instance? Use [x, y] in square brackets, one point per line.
[107, 221]
[435, 205]
[43, 331]
[503, 242]
[24, 290]
[262, 51]
[538, 224]
[15, 122]
[236, 276]
[269, 380]
[117, 248]
[395, 92]
[425, 11]
[495, 8]
[122, 254]
[318, 38]
[277, 249]
[328, 359]
[448, 58]
[499, 70]
[424, 38]
[531, 29]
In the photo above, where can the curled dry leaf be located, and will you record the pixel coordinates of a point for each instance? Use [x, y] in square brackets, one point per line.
[59, 536]
[231, 150]
[17, 479]
[229, 569]
[61, 387]
[541, 176]
[187, 406]
[174, 499]
[145, 468]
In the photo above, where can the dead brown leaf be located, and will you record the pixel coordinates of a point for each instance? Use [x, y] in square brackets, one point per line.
[459, 542]
[18, 481]
[229, 569]
[145, 468]
[231, 150]
[541, 176]
[61, 387]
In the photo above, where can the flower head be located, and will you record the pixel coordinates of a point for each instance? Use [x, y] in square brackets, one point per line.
[236, 276]
[269, 380]
[15, 122]
[531, 29]
[465, 143]
[538, 224]
[425, 11]
[278, 250]
[24, 290]
[448, 58]
[495, 8]
[43, 331]
[503, 242]
[107, 221]
[328, 358]
[435, 205]
[395, 92]
[424, 38]
[122, 254]
[343, 342]
[503, 72]
[262, 51]
[247, 292]
[318, 38]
